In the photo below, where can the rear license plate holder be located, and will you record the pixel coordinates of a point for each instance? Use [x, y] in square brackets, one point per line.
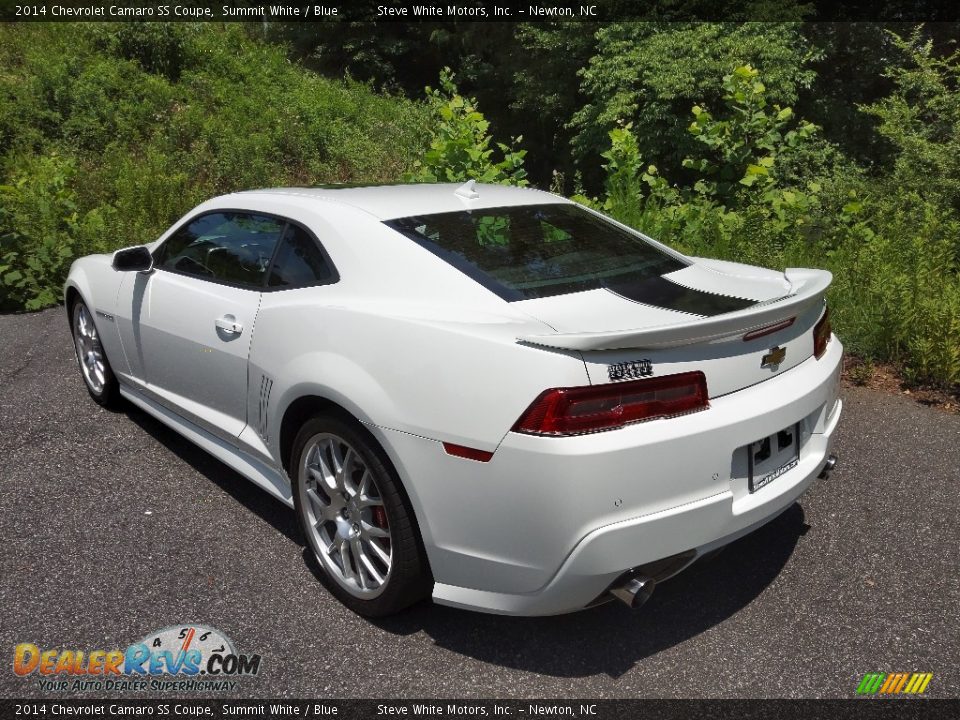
[773, 456]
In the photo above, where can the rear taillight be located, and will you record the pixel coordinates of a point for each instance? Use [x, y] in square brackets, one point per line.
[574, 411]
[821, 334]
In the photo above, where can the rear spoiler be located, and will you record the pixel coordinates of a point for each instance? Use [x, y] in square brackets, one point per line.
[807, 288]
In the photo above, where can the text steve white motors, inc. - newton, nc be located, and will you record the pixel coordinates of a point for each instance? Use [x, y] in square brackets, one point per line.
[494, 11]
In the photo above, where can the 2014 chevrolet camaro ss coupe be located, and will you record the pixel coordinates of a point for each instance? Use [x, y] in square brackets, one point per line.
[490, 395]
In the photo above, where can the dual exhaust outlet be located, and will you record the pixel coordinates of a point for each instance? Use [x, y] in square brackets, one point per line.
[636, 589]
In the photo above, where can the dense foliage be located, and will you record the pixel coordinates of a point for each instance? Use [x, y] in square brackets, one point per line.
[109, 133]
[460, 146]
[780, 144]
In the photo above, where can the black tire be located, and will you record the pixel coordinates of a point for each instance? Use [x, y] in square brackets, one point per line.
[105, 391]
[408, 579]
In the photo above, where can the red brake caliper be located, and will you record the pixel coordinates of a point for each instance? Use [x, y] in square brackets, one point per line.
[380, 517]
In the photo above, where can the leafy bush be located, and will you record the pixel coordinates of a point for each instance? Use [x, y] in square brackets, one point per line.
[896, 292]
[738, 203]
[921, 120]
[41, 231]
[651, 73]
[742, 151]
[108, 133]
[159, 47]
[460, 143]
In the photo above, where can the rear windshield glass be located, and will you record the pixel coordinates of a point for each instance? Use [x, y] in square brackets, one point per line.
[533, 251]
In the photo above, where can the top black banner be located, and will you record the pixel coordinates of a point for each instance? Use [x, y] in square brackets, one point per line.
[910, 11]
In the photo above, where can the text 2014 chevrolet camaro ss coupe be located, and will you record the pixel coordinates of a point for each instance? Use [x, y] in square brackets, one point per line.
[490, 395]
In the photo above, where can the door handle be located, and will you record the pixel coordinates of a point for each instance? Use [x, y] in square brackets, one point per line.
[229, 325]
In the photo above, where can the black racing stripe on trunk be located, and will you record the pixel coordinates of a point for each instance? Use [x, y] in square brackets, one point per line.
[660, 292]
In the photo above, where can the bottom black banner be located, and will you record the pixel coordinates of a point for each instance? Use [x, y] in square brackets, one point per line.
[861, 708]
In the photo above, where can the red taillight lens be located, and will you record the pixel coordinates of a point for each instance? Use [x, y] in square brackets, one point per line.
[573, 411]
[821, 334]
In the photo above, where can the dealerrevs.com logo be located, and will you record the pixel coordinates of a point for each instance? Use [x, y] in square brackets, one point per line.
[185, 658]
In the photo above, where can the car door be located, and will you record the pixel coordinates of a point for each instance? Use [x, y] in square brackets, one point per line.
[194, 318]
[290, 310]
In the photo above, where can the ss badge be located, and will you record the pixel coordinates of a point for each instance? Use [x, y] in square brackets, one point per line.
[630, 370]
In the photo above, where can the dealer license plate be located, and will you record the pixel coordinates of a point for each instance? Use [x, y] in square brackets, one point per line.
[773, 456]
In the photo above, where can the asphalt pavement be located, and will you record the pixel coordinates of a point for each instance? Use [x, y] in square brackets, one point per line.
[113, 526]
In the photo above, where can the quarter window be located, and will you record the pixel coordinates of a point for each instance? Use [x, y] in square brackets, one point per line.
[299, 262]
[230, 247]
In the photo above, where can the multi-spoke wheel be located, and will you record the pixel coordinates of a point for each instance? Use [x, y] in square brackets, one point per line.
[345, 513]
[355, 519]
[94, 366]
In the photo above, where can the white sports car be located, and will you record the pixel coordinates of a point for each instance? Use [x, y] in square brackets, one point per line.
[490, 395]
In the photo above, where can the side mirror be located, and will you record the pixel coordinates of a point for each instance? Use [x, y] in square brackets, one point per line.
[135, 259]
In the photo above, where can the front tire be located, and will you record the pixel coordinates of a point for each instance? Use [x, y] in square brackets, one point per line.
[357, 522]
[94, 367]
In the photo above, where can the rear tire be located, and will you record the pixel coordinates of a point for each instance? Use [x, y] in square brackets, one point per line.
[357, 522]
[94, 366]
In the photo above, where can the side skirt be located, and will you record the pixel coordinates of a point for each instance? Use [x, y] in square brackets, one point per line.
[266, 477]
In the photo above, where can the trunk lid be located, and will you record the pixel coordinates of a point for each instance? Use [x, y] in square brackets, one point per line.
[696, 318]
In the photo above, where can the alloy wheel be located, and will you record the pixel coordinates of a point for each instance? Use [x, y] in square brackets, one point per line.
[89, 350]
[345, 516]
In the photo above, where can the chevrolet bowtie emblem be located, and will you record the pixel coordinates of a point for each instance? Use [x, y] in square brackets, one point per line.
[774, 357]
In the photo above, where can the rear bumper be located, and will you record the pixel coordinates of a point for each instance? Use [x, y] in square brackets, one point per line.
[606, 553]
[549, 523]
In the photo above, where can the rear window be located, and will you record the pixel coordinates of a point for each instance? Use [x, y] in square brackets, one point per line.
[533, 251]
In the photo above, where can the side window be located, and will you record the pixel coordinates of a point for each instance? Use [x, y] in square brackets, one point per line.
[299, 262]
[230, 247]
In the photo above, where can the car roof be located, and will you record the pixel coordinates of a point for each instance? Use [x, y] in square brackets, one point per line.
[387, 202]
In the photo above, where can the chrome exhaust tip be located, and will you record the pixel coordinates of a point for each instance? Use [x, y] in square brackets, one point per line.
[635, 591]
[828, 467]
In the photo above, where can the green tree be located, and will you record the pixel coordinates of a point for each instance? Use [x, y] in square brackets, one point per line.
[740, 152]
[461, 147]
[921, 120]
[650, 74]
